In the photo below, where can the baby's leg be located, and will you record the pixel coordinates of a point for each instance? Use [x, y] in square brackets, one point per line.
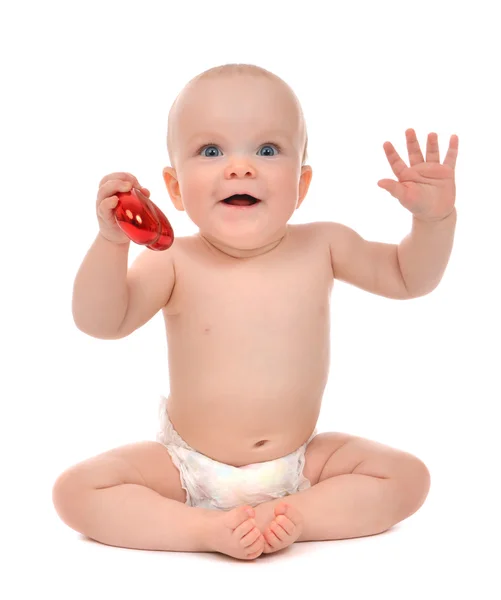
[131, 497]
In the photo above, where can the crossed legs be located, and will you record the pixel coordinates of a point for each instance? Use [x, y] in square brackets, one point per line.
[132, 497]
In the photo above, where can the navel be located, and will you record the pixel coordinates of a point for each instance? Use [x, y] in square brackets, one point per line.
[260, 443]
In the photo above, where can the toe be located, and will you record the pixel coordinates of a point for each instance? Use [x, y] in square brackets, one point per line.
[257, 545]
[281, 508]
[288, 512]
[239, 515]
[250, 537]
[279, 531]
[271, 538]
[255, 550]
[244, 529]
[285, 523]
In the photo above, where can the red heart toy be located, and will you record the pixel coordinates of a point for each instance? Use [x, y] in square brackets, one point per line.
[142, 221]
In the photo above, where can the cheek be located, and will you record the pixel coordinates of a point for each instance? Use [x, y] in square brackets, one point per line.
[287, 173]
[287, 183]
[195, 180]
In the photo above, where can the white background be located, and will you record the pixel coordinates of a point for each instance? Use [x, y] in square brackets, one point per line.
[86, 92]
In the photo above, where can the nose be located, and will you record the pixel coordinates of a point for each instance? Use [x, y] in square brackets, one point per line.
[238, 168]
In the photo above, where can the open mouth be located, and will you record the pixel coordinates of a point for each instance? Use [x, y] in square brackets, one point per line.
[241, 200]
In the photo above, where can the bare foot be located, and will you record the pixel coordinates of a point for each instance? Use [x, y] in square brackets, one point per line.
[234, 533]
[284, 529]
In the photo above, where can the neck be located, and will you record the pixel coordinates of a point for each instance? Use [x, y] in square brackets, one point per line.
[220, 248]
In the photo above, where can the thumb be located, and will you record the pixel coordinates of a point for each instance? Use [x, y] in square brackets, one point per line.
[397, 190]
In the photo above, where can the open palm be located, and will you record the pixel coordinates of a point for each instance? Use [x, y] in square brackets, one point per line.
[426, 188]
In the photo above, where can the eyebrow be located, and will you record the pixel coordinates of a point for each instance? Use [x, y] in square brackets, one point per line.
[208, 135]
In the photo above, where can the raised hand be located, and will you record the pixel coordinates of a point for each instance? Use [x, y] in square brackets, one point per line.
[426, 188]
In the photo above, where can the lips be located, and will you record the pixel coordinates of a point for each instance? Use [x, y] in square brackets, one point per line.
[241, 200]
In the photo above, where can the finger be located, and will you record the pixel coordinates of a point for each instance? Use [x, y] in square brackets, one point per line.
[112, 187]
[413, 148]
[107, 206]
[396, 163]
[396, 189]
[452, 152]
[123, 176]
[432, 153]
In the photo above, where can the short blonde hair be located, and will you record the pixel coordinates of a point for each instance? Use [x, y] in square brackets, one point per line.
[230, 70]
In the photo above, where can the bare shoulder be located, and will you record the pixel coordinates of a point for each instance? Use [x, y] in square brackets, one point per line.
[328, 235]
[317, 231]
[310, 241]
[322, 230]
[340, 239]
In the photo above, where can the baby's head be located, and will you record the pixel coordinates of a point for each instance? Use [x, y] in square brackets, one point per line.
[237, 129]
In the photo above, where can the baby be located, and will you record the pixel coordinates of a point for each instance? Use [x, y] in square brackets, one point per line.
[246, 304]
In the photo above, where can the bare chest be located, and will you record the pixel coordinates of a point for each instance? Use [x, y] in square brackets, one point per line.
[251, 310]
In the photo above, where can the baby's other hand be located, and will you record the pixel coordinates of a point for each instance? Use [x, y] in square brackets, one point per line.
[107, 202]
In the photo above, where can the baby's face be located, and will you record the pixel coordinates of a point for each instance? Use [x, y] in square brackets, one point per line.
[238, 135]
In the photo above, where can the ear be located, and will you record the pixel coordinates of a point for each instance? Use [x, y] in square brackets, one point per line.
[304, 184]
[172, 183]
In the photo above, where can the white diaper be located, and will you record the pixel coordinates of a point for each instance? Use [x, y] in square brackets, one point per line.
[214, 485]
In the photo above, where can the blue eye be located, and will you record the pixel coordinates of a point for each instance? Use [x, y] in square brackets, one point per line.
[206, 148]
[269, 146]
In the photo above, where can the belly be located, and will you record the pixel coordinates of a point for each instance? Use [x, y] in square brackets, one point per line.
[241, 437]
[240, 412]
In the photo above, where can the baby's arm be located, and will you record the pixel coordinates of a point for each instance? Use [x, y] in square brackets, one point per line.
[109, 301]
[410, 269]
